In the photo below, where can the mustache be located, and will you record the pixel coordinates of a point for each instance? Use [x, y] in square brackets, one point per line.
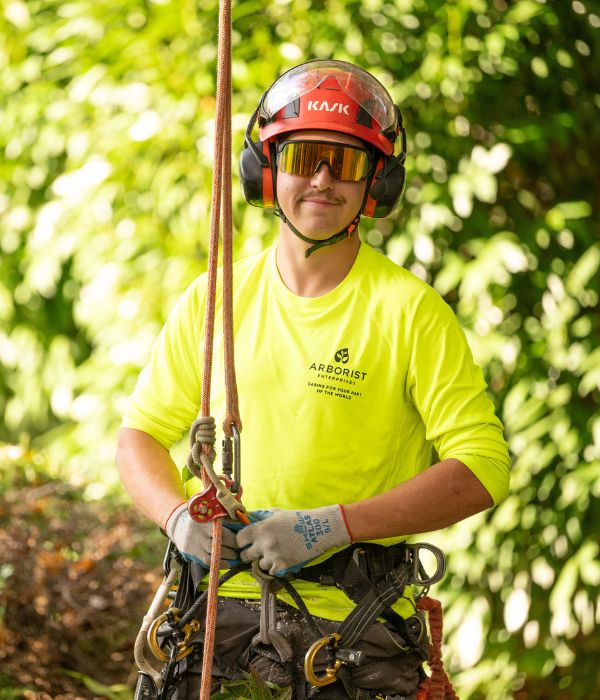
[323, 197]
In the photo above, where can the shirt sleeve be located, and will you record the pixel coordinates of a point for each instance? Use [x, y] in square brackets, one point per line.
[449, 392]
[166, 398]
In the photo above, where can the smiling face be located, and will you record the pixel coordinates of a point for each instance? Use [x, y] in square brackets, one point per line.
[320, 206]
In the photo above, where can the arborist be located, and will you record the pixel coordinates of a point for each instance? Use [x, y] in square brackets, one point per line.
[351, 373]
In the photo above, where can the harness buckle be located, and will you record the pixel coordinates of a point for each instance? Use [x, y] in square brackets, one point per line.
[330, 676]
[350, 657]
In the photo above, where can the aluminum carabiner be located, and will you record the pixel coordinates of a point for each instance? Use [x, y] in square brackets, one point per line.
[330, 675]
[183, 646]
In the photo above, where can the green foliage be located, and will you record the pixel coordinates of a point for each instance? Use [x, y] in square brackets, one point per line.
[118, 691]
[253, 687]
[107, 130]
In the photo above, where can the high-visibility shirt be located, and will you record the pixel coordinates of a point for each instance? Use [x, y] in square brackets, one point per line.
[342, 396]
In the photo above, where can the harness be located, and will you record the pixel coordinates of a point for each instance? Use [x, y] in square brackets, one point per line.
[371, 575]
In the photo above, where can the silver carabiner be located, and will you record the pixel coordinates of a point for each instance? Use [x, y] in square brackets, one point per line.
[237, 458]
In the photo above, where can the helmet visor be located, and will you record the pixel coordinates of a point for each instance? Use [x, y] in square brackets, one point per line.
[345, 162]
[362, 87]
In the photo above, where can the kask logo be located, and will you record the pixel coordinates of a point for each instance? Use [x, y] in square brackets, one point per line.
[323, 106]
[342, 355]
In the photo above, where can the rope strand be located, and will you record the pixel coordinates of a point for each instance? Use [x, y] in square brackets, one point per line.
[221, 195]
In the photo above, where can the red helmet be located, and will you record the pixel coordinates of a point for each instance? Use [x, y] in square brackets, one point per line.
[330, 95]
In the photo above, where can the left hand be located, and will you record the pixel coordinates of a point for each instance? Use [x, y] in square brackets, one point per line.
[283, 541]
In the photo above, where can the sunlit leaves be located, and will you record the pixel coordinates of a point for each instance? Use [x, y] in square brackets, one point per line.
[107, 137]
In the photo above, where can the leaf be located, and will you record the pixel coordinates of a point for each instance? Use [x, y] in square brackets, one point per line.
[583, 270]
[119, 691]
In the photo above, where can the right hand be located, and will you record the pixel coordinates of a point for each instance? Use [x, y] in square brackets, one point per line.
[194, 540]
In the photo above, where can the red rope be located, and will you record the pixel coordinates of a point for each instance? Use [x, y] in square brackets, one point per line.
[438, 685]
[221, 201]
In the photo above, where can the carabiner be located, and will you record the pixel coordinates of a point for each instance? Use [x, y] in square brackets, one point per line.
[237, 459]
[188, 630]
[330, 675]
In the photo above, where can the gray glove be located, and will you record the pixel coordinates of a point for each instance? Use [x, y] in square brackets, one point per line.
[194, 540]
[283, 541]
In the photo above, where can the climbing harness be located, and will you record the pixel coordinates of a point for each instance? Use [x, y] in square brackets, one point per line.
[374, 577]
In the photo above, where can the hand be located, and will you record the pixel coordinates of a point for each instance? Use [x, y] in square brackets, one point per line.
[283, 541]
[194, 540]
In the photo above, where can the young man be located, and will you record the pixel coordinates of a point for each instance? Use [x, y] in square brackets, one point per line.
[350, 370]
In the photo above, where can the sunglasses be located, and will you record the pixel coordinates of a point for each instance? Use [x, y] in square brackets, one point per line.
[348, 163]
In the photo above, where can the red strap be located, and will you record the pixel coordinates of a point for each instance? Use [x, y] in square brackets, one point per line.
[438, 685]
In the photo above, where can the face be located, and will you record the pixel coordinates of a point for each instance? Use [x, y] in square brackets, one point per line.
[320, 206]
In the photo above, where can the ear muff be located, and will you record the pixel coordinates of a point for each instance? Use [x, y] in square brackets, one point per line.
[387, 185]
[256, 174]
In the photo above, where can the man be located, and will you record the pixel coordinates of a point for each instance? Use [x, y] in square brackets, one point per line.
[350, 370]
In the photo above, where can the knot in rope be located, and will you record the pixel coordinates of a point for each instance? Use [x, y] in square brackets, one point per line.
[203, 435]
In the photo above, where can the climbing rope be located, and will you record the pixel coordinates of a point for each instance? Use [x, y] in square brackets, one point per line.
[220, 205]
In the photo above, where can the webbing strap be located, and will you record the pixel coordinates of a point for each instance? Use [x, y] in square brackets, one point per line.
[370, 606]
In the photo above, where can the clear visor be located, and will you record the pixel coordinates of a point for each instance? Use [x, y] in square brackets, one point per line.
[362, 87]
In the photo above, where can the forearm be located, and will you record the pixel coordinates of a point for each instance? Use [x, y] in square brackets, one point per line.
[444, 494]
[149, 474]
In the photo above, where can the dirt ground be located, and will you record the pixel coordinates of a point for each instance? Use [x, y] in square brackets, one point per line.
[75, 581]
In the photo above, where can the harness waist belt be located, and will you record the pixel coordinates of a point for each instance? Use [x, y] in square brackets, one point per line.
[381, 560]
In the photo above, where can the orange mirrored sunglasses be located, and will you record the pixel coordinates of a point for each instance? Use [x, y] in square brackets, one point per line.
[345, 162]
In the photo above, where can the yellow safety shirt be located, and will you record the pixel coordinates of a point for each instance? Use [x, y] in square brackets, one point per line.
[342, 396]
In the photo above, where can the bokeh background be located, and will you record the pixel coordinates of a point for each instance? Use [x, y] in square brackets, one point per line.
[106, 129]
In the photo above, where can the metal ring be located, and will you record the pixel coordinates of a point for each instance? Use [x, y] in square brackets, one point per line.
[257, 571]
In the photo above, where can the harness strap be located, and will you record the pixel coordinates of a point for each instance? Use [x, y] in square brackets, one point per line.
[356, 584]
[268, 633]
[369, 607]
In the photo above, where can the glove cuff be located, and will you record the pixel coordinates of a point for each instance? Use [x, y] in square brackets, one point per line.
[340, 532]
[343, 512]
[171, 521]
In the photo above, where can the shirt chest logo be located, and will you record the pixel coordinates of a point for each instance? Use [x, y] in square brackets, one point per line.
[336, 378]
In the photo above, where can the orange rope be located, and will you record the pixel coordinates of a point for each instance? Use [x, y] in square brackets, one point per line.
[438, 685]
[221, 195]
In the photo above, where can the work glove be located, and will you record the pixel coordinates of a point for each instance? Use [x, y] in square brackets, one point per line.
[283, 541]
[194, 540]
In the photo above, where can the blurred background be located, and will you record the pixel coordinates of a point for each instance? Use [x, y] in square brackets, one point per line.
[106, 131]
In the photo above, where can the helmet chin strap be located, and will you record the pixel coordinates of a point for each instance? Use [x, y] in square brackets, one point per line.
[317, 243]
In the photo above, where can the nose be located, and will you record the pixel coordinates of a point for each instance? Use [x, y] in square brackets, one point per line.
[322, 177]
